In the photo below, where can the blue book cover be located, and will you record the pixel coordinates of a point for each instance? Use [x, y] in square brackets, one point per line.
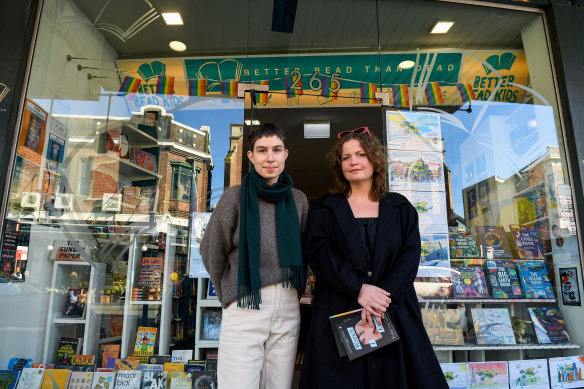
[535, 280]
[17, 364]
[504, 281]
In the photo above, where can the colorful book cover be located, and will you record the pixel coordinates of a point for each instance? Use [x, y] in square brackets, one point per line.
[154, 379]
[462, 244]
[31, 378]
[211, 326]
[44, 365]
[433, 287]
[414, 170]
[492, 375]
[174, 366]
[456, 375]
[431, 208]
[103, 380]
[529, 374]
[108, 351]
[82, 359]
[150, 272]
[523, 330]
[56, 379]
[504, 280]
[434, 260]
[8, 379]
[159, 359]
[17, 364]
[494, 242]
[80, 380]
[181, 380]
[75, 303]
[205, 379]
[531, 205]
[195, 366]
[126, 364]
[128, 379]
[469, 282]
[151, 367]
[527, 241]
[67, 348]
[413, 131]
[492, 326]
[145, 340]
[535, 280]
[86, 368]
[566, 372]
[444, 326]
[182, 356]
[549, 325]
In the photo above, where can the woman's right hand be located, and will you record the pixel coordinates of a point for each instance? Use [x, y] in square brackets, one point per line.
[374, 301]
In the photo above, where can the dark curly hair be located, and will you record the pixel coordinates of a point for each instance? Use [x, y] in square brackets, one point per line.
[377, 157]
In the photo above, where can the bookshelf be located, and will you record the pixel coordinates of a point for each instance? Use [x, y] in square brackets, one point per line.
[203, 303]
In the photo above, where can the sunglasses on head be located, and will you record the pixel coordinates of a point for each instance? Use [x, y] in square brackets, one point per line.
[359, 131]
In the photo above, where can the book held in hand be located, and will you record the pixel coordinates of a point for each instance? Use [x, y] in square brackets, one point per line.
[355, 339]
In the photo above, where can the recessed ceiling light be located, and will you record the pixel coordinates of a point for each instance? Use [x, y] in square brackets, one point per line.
[406, 64]
[177, 46]
[441, 27]
[255, 122]
[172, 18]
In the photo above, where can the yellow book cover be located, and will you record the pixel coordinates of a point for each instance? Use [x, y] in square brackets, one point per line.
[126, 364]
[56, 379]
[170, 367]
[145, 340]
[82, 359]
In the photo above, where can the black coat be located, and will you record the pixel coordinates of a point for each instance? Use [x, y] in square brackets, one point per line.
[334, 250]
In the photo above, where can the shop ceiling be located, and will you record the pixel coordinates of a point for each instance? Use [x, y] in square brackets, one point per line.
[135, 29]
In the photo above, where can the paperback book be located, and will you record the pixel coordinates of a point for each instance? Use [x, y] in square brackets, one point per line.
[75, 303]
[433, 287]
[549, 325]
[504, 280]
[462, 244]
[128, 379]
[527, 241]
[566, 372]
[492, 326]
[67, 348]
[174, 366]
[355, 339]
[535, 280]
[531, 205]
[211, 364]
[55, 379]
[493, 242]
[82, 359]
[103, 380]
[107, 351]
[469, 282]
[456, 375]
[80, 380]
[126, 364]
[195, 366]
[154, 379]
[8, 379]
[151, 367]
[492, 375]
[205, 379]
[145, 340]
[182, 356]
[529, 374]
[211, 325]
[444, 326]
[31, 378]
[434, 261]
[523, 330]
[181, 380]
[159, 359]
[17, 364]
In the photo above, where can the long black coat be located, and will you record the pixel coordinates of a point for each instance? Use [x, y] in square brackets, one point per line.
[334, 250]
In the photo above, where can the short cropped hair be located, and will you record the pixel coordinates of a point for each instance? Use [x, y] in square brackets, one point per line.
[266, 129]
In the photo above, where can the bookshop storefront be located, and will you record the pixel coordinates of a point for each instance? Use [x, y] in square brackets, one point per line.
[133, 124]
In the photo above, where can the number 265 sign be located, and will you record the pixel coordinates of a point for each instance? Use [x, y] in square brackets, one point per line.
[315, 83]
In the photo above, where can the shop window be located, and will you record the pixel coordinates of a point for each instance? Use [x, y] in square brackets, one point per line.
[182, 176]
[84, 185]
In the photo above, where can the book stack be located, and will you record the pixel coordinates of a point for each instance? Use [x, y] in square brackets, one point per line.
[149, 281]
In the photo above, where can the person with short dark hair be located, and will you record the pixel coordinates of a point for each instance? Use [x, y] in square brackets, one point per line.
[363, 245]
[252, 249]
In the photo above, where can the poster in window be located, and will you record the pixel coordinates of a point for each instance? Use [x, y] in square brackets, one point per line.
[32, 132]
[412, 170]
[570, 286]
[55, 153]
[199, 224]
[431, 207]
[413, 131]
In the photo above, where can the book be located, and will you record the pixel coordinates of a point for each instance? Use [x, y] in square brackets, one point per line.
[44, 365]
[205, 379]
[493, 242]
[434, 260]
[126, 364]
[527, 241]
[128, 379]
[145, 340]
[17, 364]
[151, 367]
[149, 283]
[456, 375]
[433, 287]
[211, 324]
[103, 380]
[56, 379]
[462, 244]
[211, 364]
[357, 339]
[86, 368]
[107, 351]
[469, 282]
[195, 366]
[535, 280]
[80, 380]
[154, 379]
[31, 378]
[8, 379]
[443, 326]
[174, 366]
[504, 280]
[529, 374]
[549, 325]
[75, 303]
[159, 359]
[531, 205]
[181, 380]
[116, 324]
[181, 356]
[566, 372]
[523, 330]
[492, 326]
[491, 375]
[82, 359]
[67, 348]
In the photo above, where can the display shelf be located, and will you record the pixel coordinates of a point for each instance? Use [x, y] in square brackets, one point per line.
[145, 302]
[489, 301]
[65, 320]
[500, 347]
[136, 137]
[209, 303]
[131, 170]
[110, 339]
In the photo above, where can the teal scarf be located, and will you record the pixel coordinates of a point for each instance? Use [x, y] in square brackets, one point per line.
[287, 231]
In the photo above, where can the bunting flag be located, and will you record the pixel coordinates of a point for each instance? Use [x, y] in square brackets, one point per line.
[466, 92]
[262, 98]
[165, 85]
[129, 86]
[289, 81]
[433, 93]
[197, 87]
[326, 84]
[229, 88]
[401, 97]
[368, 93]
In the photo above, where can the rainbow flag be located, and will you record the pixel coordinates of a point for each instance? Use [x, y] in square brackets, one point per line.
[466, 92]
[165, 85]
[368, 93]
[197, 87]
[262, 98]
[293, 92]
[433, 93]
[326, 84]
[229, 88]
[129, 85]
[401, 97]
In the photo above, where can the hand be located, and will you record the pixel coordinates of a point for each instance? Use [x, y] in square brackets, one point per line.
[374, 301]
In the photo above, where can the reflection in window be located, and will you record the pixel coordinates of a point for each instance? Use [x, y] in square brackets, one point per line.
[181, 182]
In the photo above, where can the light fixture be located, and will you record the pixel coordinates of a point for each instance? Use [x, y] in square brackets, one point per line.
[255, 122]
[317, 129]
[406, 64]
[172, 18]
[177, 46]
[441, 27]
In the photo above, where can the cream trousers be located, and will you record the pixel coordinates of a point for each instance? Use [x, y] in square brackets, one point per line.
[257, 348]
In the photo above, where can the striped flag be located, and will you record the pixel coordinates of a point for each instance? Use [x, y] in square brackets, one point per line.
[229, 88]
[129, 86]
[433, 93]
[401, 97]
[368, 93]
[326, 84]
[262, 97]
[289, 81]
[466, 92]
[197, 87]
[165, 85]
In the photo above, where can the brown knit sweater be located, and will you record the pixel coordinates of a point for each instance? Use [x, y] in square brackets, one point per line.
[220, 244]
